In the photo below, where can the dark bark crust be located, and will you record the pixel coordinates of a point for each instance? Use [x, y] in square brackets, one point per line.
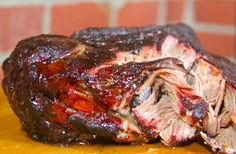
[32, 94]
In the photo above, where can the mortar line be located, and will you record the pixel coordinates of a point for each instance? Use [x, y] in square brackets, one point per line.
[47, 17]
[162, 12]
[188, 15]
[4, 55]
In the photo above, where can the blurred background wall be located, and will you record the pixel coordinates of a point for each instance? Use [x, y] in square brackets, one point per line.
[213, 20]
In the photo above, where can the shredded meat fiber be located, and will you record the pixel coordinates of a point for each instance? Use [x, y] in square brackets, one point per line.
[123, 85]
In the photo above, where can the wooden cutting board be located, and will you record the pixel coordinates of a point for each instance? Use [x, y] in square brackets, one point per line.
[14, 140]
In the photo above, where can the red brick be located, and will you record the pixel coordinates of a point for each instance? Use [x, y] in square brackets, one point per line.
[175, 10]
[138, 14]
[17, 23]
[216, 11]
[224, 45]
[67, 19]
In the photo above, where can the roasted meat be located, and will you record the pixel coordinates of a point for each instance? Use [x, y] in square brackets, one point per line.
[123, 85]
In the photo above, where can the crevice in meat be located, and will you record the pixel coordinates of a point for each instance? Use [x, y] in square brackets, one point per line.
[161, 111]
[123, 84]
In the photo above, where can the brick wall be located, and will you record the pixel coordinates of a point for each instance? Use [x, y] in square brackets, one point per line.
[213, 20]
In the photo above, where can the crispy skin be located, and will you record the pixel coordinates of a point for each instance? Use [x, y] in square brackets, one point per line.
[69, 89]
[128, 39]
